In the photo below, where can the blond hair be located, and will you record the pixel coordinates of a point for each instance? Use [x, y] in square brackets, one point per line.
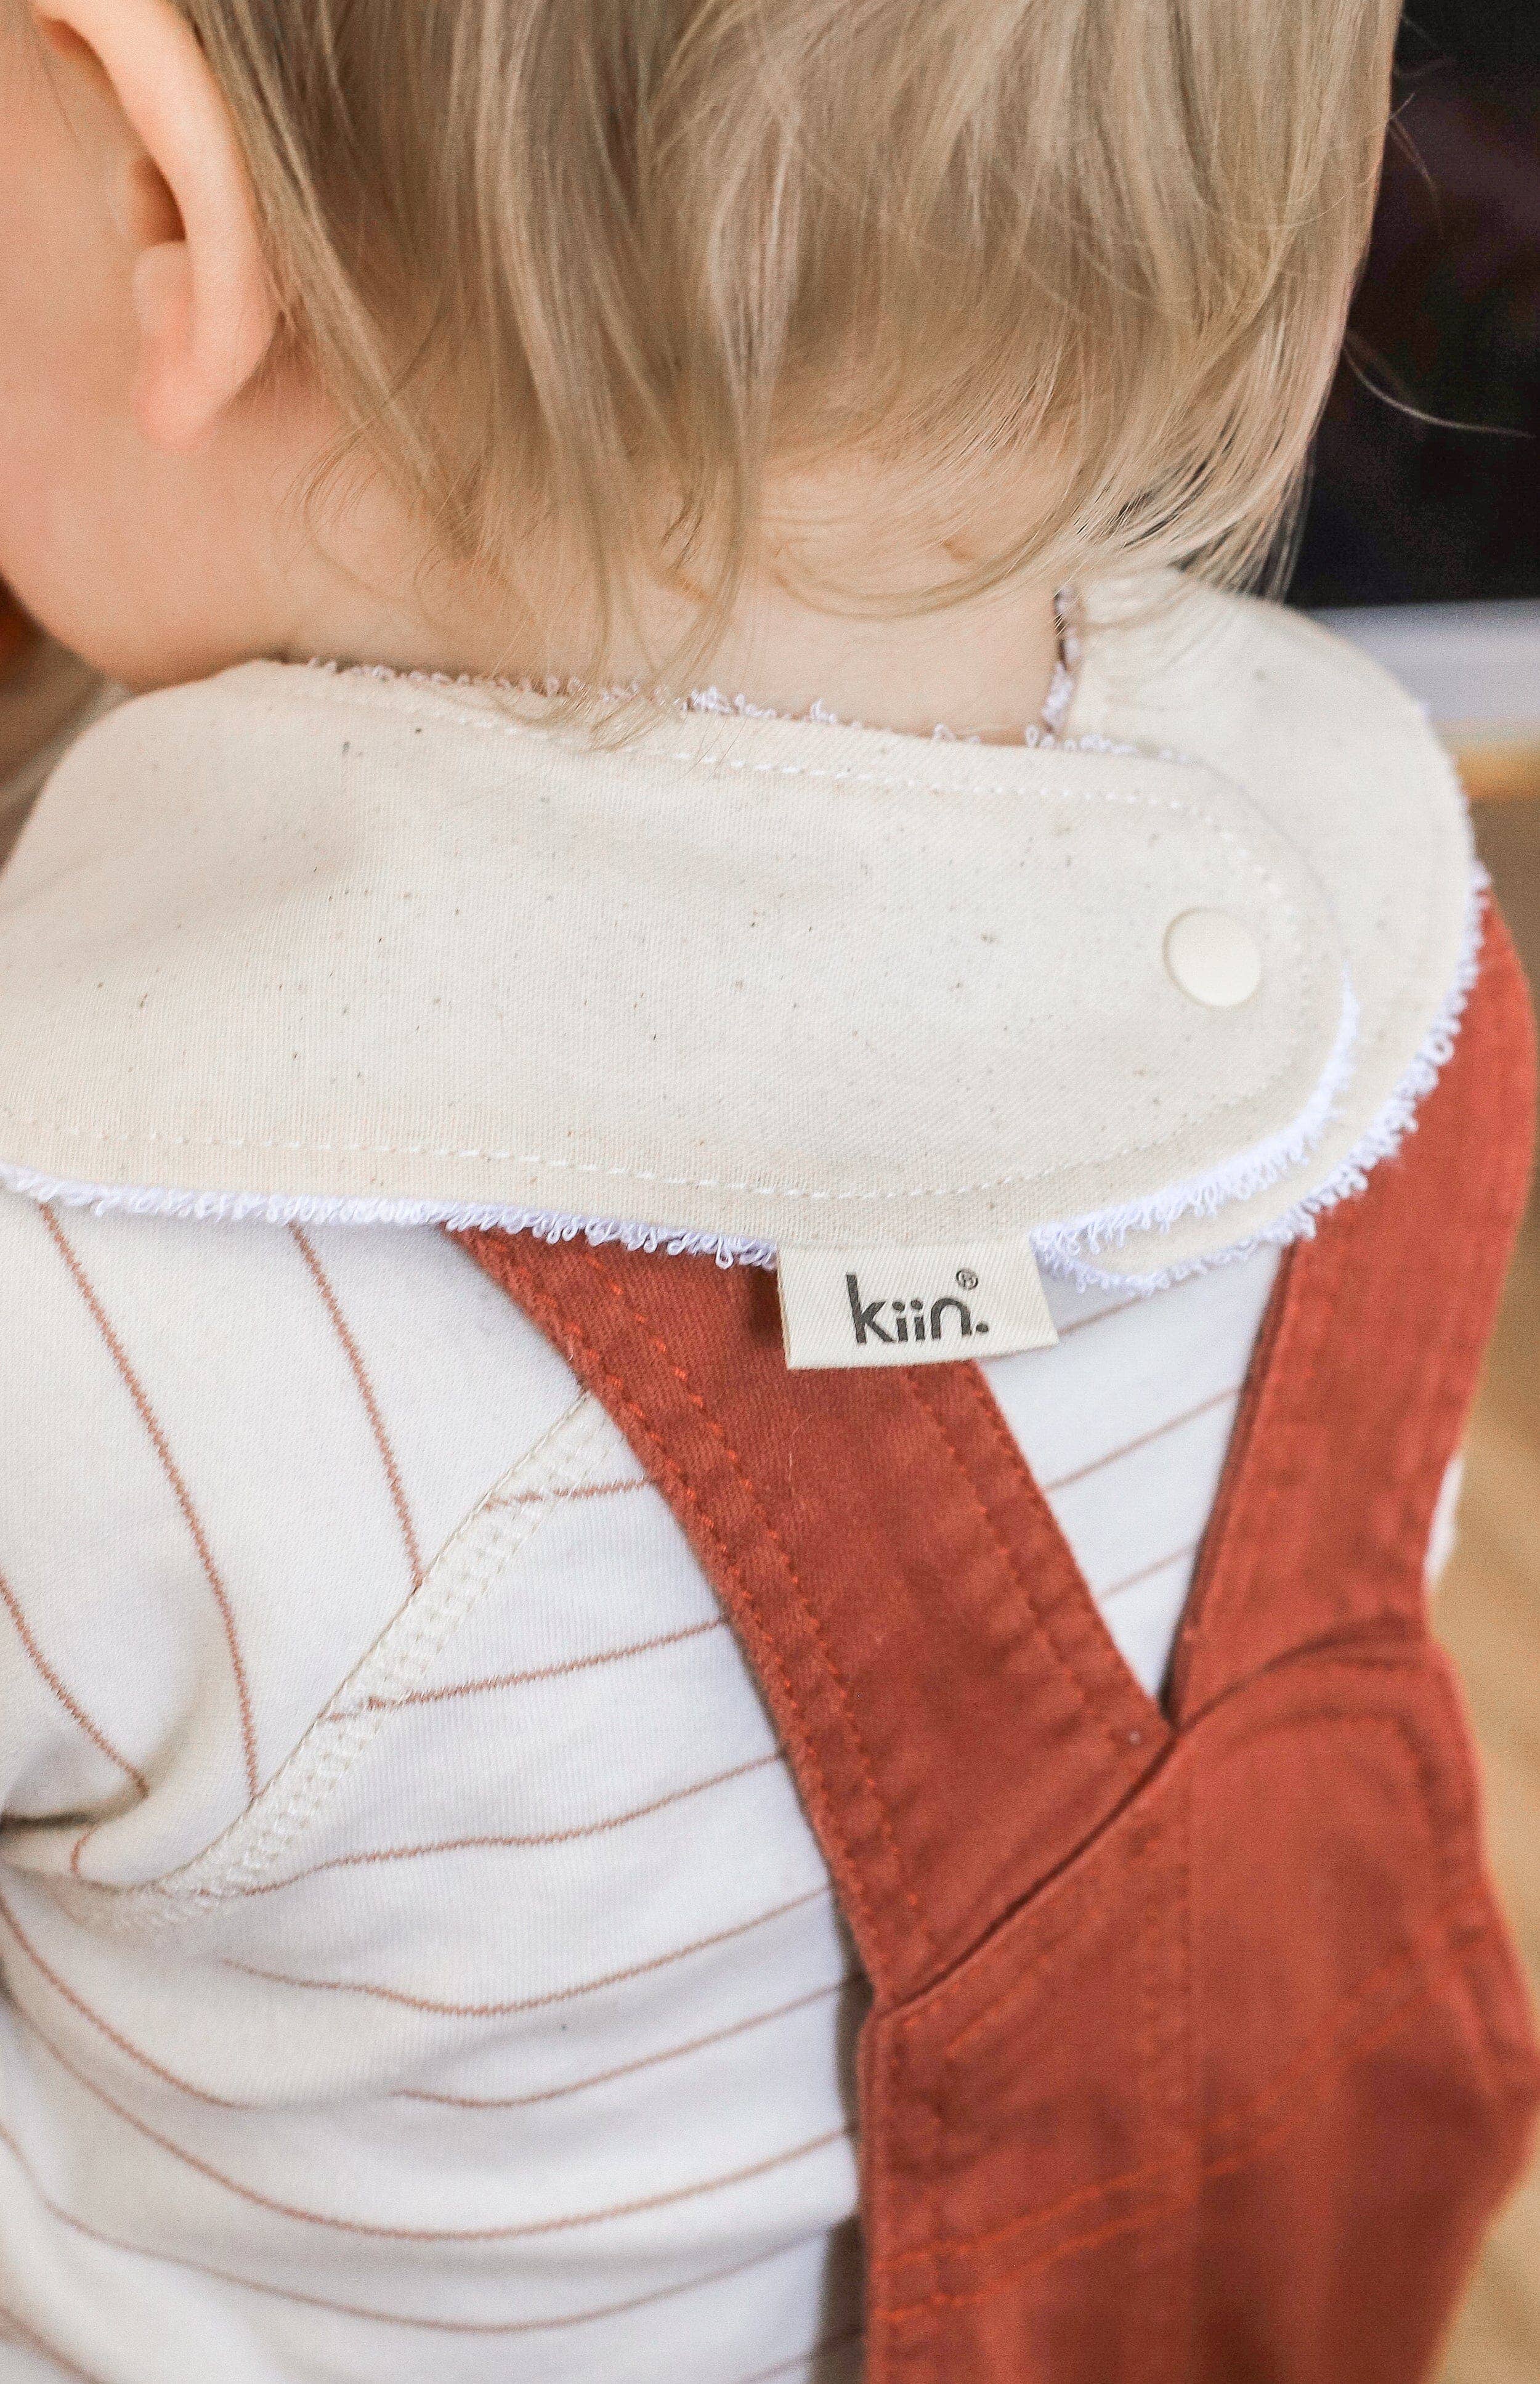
[1078, 269]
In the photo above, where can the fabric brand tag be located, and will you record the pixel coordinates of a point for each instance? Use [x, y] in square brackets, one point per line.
[892, 1305]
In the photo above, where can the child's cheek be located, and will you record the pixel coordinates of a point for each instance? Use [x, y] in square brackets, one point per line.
[66, 352]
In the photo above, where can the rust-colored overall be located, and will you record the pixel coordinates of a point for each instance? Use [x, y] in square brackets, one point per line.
[1198, 2052]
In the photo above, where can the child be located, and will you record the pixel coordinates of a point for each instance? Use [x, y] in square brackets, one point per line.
[558, 1824]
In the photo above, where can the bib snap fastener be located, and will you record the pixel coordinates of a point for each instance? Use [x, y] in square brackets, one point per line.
[1213, 958]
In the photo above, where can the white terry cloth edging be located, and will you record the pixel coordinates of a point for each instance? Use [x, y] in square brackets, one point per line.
[1063, 1250]
[1060, 1248]
[1056, 1246]
[456, 1217]
[1249, 1171]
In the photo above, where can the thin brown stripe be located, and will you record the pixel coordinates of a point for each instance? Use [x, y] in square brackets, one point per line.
[626, 2068]
[371, 1404]
[1146, 1573]
[18, 2330]
[72, 1706]
[494, 1843]
[179, 1490]
[1102, 1316]
[1145, 1440]
[529, 2003]
[545, 1671]
[62, 1987]
[385, 2318]
[410, 2094]
[77, 1849]
[377, 2232]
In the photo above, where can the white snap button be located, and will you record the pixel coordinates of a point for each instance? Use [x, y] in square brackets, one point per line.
[1216, 959]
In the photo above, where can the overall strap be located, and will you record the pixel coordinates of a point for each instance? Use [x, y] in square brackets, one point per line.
[956, 1716]
[1369, 1360]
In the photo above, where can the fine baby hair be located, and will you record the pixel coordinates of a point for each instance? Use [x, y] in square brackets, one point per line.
[1075, 270]
[723, 1415]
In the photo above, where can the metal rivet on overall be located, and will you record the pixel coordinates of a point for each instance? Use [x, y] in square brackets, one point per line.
[1213, 958]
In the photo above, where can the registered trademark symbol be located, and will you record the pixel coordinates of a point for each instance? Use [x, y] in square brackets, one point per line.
[966, 1279]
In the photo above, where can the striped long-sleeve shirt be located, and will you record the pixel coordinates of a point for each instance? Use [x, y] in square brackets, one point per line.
[418, 1959]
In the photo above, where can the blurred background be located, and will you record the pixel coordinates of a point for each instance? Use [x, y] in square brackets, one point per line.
[1422, 540]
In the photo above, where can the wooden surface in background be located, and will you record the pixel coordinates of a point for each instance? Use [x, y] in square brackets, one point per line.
[1488, 1614]
[1502, 772]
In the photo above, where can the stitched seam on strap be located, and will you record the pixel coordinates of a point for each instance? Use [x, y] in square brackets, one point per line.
[1012, 1561]
[816, 1790]
[662, 1348]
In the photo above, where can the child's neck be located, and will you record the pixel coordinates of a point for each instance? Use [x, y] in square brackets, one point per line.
[984, 668]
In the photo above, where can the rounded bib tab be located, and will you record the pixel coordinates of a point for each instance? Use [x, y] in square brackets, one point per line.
[776, 982]
[303, 943]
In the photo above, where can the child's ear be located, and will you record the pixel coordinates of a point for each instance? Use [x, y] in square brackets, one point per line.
[203, 297]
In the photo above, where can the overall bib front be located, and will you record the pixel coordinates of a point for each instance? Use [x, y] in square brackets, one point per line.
[1198, 2053]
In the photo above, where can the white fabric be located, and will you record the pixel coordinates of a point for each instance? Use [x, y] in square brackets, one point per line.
[375, 1763]
[1126, 1425]
[1334, 751]
[593, 1818]
[332, 943]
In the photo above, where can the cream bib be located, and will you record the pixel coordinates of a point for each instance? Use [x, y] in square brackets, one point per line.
[301, 943]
